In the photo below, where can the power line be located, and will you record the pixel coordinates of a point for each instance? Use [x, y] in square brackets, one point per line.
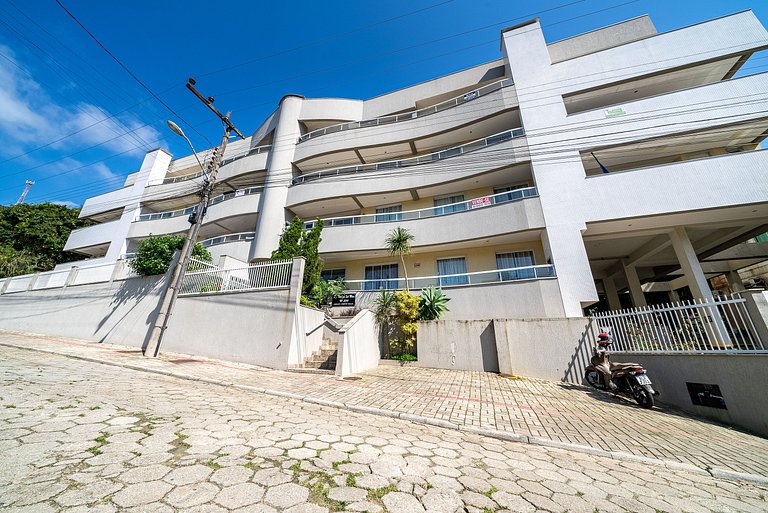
[137, 79]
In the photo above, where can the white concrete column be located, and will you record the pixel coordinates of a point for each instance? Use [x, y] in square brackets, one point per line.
[272, 214]
[734, 281]
[614, 303]
[152, 170]
[674, 297]
[635, 287]
[689, 262]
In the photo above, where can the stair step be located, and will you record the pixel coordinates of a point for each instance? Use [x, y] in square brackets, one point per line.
[312, 371]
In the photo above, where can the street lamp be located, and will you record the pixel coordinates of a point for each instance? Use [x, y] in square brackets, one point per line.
[177, 130]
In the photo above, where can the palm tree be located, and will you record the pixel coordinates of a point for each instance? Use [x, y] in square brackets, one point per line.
[398, 242]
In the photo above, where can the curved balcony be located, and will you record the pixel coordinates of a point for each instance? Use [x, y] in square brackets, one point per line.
[403, 128]
[480, 218]
[531, 272]
[253, 151]
[413, 161]
[387, 120]
[237, 203]
[236, 245]
[100, 234]
[427, 173]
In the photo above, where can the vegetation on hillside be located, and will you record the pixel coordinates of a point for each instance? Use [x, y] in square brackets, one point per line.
[32, 237]
[154, 254]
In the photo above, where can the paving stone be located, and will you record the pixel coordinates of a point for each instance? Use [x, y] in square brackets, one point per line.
[144, 473]
[512, 502]
[441, 501]
[271, 477]
[347, 494]
[306, 508]
[286, 495]
[191, 495]
[141, 493]
[402, 503]
[188, 475]
[366, 506]
[89, 493]
[239, 495]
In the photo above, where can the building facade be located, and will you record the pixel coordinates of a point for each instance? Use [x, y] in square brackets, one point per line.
[617, 160]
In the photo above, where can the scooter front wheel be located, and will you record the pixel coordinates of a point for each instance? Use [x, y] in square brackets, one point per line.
[643, 395]
[594, 379]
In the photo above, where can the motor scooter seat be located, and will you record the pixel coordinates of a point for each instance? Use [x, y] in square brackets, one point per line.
[622, 365]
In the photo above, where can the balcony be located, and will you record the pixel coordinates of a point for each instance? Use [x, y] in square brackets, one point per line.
[243, 202]
[427, 111]
[512, 212]
[237, 245]
[425, 213]
[93, 240]
[413, 161]
[425, 129]
[692, 187]
[533, 272]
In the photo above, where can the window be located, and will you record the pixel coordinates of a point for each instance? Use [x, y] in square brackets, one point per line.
[440, 209]
[387, 214]
[333, 274]
[513, 260]
[380, 277]
[448, 266]
[508, 189]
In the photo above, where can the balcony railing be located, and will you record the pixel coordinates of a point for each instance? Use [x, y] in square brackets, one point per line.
[189, 210]
[531, 272]
[414, 161]
[423, 213]
[228, 160]
[223, 239]
[426, 111]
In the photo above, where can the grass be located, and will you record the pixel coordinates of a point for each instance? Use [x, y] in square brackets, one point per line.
[579, 494]
[351, 480]
[491, 491]
[101, 440]
[251, 465]
[336, 464]
[378, 493]
[94, 408]
[10, 406]
[212, 464]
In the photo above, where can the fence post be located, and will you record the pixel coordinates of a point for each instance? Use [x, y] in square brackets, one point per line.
[117, 270]
[71, 277]
[33, 281]
[756, 302]
[6, 284]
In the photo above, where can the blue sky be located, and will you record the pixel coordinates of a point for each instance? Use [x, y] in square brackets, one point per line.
[75, 122]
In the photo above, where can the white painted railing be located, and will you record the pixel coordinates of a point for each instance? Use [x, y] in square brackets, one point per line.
[698, 326]
[209, 279]
[227, 160]
[426, 111]
[531, 272]
[414, 161]
[423, 213]
[187, 211]
[80, 274]
[223, 239]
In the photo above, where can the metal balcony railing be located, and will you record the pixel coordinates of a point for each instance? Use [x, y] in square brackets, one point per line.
[223, 239]
[426, 111]
[186, 211]
[204, 278]
[424, 213]
[414, 161]
[228, 160]
[531, 272]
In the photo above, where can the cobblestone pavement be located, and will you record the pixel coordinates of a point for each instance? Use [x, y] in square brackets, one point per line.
[541, 410]
[84, 437]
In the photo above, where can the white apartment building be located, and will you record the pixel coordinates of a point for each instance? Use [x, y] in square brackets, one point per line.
[492, 170]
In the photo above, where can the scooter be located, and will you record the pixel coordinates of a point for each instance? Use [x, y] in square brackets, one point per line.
[628, 379]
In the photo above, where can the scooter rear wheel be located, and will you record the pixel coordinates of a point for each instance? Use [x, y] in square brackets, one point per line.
[594, 379]
[643, 395]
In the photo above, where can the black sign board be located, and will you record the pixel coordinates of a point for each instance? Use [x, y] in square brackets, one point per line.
[344, 300]
[703, 394]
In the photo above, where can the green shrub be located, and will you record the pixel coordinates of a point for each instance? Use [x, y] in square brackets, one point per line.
[432, 304]
[154, 254]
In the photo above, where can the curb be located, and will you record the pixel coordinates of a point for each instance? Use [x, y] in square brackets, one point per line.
[716, 473]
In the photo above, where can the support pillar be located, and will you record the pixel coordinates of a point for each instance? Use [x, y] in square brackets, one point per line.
[674, 297]
[689, 262]
[611, 294]
[635, 287]
[734, 281]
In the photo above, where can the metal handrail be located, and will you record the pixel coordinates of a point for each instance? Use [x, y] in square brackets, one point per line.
[414, 161]
[186, 211]
[424, 213]
[223, 239]
[531, 272]
[426, 111]
[229, 160]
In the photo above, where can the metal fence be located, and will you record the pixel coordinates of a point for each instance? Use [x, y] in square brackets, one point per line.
[700, 326]
[205, 278]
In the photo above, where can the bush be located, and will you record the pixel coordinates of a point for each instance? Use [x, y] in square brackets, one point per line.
[154, 254]
[432, 304]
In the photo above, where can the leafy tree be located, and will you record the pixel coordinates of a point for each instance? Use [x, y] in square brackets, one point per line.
[154, 254]
[398, 243]
[325, 291]
[32, 237]
[295, 241]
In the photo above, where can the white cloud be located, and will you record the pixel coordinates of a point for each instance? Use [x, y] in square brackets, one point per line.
[70, 204]
[29, 117]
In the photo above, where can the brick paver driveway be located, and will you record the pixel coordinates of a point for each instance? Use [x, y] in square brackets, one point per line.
[80, 436]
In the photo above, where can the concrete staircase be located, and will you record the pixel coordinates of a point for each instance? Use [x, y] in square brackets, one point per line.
[324, 359]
